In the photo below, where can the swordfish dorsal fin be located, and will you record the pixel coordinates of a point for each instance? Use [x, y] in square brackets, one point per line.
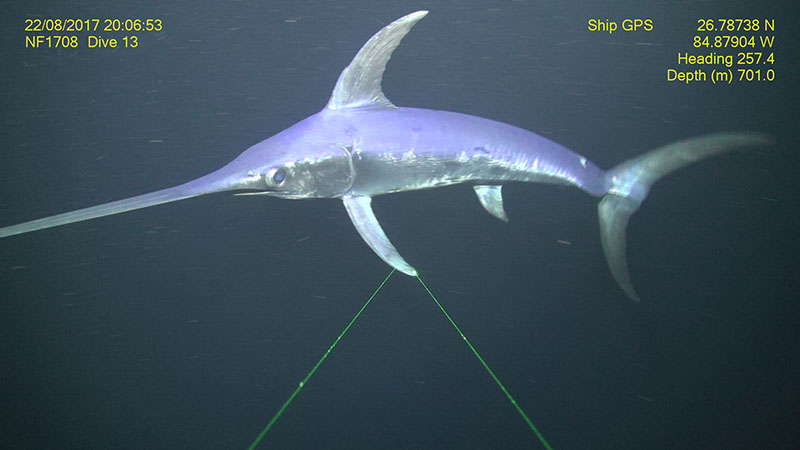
[359, 208]
[359, 85]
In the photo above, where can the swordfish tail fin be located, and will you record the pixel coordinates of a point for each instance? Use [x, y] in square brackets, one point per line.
[630, 182]
[142, 201]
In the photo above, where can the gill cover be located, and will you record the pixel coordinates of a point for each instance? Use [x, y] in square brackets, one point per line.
[325, 175]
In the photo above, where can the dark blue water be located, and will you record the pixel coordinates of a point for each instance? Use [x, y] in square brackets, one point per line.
[188, 325]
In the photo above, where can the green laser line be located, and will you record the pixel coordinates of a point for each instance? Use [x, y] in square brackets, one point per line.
[316, 366]
[486, 366]
[452, 322]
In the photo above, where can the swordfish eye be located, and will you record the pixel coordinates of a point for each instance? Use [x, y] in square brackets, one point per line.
[275, 176]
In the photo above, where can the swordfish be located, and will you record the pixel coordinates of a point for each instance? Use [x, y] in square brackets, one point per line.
[361, 145]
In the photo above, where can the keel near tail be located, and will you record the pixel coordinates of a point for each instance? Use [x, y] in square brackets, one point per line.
[630, 182]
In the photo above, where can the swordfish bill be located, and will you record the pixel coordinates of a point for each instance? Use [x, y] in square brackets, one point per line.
[360, 145]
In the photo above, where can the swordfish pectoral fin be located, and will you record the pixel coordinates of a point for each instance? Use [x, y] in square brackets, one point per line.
[360, 211]
[491, 198]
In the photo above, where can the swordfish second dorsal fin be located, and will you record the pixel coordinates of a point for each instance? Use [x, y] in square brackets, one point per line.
[359, 85]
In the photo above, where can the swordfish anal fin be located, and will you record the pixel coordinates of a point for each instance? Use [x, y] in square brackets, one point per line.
[491, 198]
[359, 208]
[359, 85]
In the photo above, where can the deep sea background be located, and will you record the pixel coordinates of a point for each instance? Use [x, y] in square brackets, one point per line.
[188, 325]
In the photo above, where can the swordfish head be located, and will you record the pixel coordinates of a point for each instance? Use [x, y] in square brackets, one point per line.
[303, 161]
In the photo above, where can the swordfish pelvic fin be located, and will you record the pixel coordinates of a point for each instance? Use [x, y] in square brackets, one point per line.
[359, 85]
[360, 211]
[491, 198]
